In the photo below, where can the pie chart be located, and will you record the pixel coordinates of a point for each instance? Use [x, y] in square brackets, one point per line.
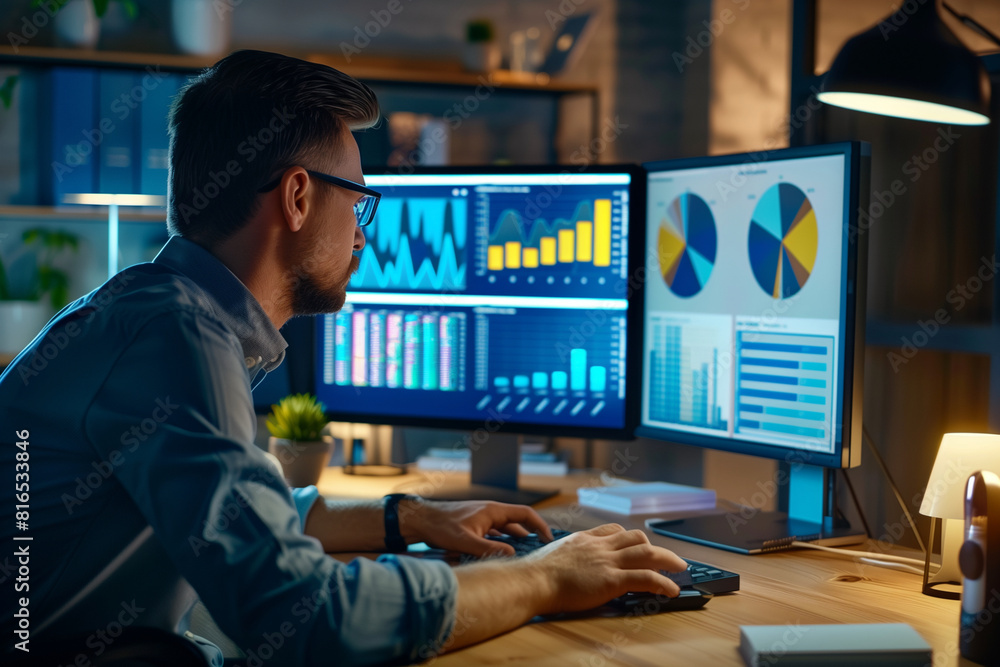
[687, 245]
[783, 240]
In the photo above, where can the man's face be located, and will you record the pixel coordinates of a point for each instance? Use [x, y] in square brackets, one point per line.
[329, 257]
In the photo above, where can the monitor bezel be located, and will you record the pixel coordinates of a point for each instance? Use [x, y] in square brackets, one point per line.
[847, 451]
[633, 293]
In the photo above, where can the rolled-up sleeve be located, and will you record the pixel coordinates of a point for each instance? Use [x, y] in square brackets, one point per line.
[303, 498]
[180, 421]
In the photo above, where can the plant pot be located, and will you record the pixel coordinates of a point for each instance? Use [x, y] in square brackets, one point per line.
[481, 56]
[20, 322]
[200, 28]
[301, 462]
[76, 25]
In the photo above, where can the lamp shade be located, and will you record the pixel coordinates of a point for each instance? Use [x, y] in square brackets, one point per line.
[960, 455]
[910, 65]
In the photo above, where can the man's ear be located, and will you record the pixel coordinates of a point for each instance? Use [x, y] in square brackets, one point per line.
[293, 188]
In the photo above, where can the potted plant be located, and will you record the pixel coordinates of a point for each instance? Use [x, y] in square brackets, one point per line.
[77, 22]
[481, 52]
[295, 424]
[25, 308]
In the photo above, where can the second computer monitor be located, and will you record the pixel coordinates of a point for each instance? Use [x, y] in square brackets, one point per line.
[490, 298]
[754, 308]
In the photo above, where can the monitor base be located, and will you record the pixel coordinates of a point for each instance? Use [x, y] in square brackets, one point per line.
[757, 533]
[497, 493]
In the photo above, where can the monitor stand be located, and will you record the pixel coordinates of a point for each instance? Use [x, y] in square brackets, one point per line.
[753, 531]
[493, 475]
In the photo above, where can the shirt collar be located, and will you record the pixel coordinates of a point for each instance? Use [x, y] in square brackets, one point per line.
[263, 346]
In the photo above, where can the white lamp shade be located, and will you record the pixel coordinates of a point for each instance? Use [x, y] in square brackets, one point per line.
[960, 455]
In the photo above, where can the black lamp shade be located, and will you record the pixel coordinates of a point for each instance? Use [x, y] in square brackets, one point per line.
[910, 65]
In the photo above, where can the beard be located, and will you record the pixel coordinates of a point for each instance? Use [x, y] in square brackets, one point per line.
[311, 298]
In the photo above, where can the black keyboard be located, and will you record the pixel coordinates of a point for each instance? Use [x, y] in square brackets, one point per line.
[698, 576]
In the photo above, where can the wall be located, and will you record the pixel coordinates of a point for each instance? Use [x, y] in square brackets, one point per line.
[928, 240]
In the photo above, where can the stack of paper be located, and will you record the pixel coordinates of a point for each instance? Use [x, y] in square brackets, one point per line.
[646, 498]
[460, 460]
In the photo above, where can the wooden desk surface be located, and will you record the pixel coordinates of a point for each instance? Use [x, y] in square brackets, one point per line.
[799, 587]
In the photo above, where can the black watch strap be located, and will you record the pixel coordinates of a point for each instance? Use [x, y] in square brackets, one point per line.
[394, 542]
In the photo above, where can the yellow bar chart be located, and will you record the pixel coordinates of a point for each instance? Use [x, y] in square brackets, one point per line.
[586, 241]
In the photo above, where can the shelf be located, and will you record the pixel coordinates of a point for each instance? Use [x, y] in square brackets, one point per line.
[964, 338]
[371, 69]
[446, 73]
[37, 55]
[96, 213]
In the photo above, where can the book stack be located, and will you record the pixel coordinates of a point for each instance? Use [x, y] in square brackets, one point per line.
[533, 462]
[647, 498]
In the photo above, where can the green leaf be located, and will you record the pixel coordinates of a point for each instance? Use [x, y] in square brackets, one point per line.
[131, 9]
[297, 417]
[7, 90]
[4, 290]
[100, 7]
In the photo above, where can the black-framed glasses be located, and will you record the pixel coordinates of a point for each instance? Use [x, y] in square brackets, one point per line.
[364, 208]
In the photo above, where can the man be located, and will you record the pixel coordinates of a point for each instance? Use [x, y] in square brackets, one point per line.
[134, 406]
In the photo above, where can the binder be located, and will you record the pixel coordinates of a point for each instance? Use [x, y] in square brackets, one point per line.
[153, 139]
[75, 132]
[119, 108]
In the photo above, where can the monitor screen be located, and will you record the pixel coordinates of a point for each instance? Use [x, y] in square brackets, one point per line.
[753, 303]
[494, 297]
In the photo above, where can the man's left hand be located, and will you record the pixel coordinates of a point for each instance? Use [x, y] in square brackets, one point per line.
[463, 526]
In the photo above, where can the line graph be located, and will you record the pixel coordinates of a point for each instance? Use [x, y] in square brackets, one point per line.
[415, 244]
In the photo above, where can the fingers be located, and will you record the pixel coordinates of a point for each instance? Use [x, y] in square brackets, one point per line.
[648, 581]
[528, 518]
[648, 556]
[484, 548]
[628, 538]
[516, 529]
[607, 529]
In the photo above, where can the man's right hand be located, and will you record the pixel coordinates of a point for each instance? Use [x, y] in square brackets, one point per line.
[586, 569]
[580, 571]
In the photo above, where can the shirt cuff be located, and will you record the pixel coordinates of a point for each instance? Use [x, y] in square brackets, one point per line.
[432, 595]
[304, 498]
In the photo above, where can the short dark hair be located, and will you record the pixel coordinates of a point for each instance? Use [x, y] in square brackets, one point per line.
[246, 119]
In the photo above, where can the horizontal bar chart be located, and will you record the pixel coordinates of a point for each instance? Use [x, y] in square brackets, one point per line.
[784, 385]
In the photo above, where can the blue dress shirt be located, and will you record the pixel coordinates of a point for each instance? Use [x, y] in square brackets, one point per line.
[137, 401]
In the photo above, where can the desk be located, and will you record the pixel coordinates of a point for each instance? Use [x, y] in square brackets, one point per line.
[787, 588]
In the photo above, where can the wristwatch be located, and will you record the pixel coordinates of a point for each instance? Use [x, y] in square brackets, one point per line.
[394, 542]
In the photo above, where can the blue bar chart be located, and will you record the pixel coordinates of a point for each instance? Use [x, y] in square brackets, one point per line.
[688, 375]
[784, 385]
[532, 362]
[368, 347]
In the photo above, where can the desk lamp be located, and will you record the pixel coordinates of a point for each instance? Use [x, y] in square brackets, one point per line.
[113, 202]
[910, 65]
[960, 455]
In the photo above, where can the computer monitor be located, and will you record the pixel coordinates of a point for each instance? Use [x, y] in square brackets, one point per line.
[491, 300]
[753, 324]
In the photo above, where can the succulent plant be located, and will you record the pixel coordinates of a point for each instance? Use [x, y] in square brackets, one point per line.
[299, 417]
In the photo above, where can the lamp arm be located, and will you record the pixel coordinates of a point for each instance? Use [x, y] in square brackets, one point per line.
[973, 24]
